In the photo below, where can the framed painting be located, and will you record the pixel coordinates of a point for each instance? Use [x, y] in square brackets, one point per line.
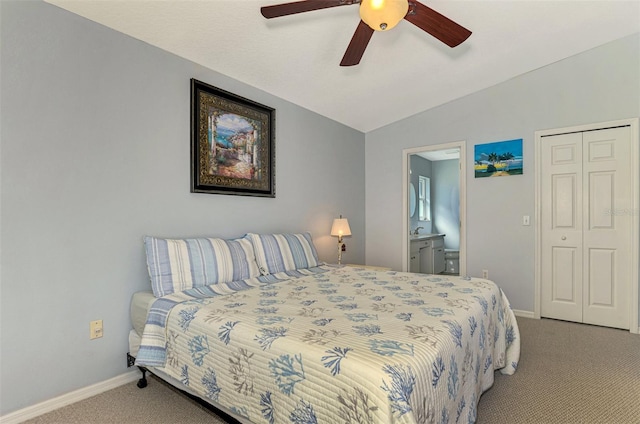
[499, 159]
[232, 143]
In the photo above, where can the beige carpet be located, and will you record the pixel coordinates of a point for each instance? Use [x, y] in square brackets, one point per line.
[158, 403]
[569, 373]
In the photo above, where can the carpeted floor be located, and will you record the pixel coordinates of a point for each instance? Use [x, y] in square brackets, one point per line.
[158, 403]
[568, 374]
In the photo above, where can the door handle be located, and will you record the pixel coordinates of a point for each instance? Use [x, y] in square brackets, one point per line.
[564, 237]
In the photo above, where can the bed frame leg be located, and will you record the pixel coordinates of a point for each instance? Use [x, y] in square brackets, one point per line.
[142, 383]
[131, 361]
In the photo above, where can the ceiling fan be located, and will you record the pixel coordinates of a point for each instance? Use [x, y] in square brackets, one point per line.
[378, 15]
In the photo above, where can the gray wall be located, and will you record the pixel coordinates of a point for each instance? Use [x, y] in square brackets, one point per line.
[599, 85]
[419, 167]
[94, 155]
[445, 197]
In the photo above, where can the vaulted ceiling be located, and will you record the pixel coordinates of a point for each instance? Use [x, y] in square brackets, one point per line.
[403, 71]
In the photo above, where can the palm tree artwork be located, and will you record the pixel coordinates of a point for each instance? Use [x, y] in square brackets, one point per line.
[499, 159]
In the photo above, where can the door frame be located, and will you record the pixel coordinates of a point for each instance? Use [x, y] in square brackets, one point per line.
[406, 153]
[634, 324]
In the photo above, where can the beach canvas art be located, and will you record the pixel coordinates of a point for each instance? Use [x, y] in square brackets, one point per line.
[499, 159]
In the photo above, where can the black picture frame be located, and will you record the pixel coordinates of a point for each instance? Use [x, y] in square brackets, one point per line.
[232, 143]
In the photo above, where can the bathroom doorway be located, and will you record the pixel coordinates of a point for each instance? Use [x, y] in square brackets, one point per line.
[434, 203]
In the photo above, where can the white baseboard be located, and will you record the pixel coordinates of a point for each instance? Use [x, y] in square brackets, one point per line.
[69, 398]
[524, 314]
[529, 314]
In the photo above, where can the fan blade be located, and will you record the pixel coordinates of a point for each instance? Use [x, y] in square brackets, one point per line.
[357, 45]
[284, 9]
[441, 27]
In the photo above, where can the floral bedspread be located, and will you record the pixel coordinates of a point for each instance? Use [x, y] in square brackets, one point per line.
[348, 345]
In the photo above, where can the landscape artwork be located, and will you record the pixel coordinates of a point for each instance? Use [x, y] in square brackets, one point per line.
[232, 144]
[499, 159]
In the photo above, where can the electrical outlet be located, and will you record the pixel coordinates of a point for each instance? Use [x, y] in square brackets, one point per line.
[485, 274]
[95, 329]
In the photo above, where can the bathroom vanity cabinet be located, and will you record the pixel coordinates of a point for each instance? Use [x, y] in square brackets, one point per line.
[427, 254]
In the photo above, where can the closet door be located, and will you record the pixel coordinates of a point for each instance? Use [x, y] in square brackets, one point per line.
[586, 227]
[607, 227]
[561, 224]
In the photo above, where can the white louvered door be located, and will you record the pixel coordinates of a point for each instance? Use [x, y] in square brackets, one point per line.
[586, 227]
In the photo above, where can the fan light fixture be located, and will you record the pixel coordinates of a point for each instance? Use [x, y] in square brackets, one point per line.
[378, 15]
[382, 15]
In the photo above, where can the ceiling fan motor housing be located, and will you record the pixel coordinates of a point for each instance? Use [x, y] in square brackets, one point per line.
[382, 15]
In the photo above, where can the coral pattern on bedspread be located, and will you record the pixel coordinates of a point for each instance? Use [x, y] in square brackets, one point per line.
[346, 345]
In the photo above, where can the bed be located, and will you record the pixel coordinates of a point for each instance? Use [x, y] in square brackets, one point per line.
[279, 337]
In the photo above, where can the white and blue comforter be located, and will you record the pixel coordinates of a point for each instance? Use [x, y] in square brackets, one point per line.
[340, 345]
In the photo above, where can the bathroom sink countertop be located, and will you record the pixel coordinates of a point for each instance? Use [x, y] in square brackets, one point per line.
[424, 236]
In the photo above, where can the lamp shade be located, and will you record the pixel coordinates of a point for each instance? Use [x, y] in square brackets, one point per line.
[382, 15]
[340, 227]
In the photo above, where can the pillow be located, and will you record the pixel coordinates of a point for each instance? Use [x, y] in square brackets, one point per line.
[283, 252]
[180, 264]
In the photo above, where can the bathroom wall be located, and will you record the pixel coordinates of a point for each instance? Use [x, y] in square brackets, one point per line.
[445, 201]
[419, 166]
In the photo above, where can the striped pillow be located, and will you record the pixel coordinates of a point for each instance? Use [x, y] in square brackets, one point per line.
[176, 265]
[283, 252]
